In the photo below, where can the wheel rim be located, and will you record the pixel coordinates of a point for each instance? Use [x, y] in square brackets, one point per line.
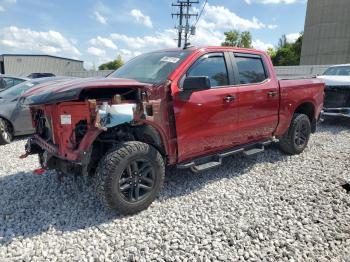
[137, 181]
[5, 132]
[301, 134]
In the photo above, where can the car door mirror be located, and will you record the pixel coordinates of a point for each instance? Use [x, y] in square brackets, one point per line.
[196, 83]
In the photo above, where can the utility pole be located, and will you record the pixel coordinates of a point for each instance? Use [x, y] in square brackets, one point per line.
[180, 16]
[184, 12]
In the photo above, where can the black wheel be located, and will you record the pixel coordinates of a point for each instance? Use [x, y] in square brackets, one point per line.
[6, 135]
[297, 137]
[130, 177]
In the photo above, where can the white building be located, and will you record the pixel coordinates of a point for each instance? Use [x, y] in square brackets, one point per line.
[23, 65]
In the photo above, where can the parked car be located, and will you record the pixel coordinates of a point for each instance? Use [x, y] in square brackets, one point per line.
[7, 81]
[15, 116]
[40, 75]
[184, 107]
[337, 91]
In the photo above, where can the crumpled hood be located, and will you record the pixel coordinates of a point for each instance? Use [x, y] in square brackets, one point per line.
[67, 90]
[336, 80]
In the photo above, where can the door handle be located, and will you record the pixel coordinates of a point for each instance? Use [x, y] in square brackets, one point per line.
[272, 94]
[229, 98]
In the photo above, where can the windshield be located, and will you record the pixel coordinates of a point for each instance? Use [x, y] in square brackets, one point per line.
[153, 68]
[338, 71]
[17, 90]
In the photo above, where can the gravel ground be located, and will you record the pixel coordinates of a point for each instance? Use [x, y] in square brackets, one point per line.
[267, 207]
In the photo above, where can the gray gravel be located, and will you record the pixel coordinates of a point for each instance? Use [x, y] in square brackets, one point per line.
[268, 207]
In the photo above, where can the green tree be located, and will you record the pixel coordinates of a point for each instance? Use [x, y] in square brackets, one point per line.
[231, 38]
[271, 52]
[282, 42]
[286, 54]
[238, 39]
[113, 65]
[246, 39]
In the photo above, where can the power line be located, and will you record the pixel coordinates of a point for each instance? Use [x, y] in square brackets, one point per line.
[201, 12]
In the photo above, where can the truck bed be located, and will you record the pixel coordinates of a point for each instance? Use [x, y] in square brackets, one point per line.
[293, 93]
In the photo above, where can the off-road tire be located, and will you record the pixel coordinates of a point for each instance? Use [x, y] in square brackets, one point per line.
[115, 165]
[288, 142]
[6, 134]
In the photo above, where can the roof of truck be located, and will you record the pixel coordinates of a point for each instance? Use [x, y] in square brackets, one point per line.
[193, 48]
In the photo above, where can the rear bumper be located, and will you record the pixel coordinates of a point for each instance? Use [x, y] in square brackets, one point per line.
[336, 112]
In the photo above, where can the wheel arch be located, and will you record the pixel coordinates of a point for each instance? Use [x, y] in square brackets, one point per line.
[145, 133]
[308, 108]
[150, 135]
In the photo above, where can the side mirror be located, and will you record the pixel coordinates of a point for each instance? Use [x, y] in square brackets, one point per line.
[196, 83]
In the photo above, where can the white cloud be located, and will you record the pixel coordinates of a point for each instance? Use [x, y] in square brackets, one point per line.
[27, 40]
[100, 18]
[103, 42]
[10, 1]
[258, 44]
[94, 51]
[272, 26]
[220, 17]
[291, 38]
[2, 9]
[265, 2]
[141, 18]
[210, 31]
[148, 43]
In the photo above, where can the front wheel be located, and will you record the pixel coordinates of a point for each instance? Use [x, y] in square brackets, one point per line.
[295, 140]
[6, 135]
[130, 177]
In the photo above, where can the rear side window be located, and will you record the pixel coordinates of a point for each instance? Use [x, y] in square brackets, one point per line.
[338, 71]
[9, 82]
[250, 69]
[213, 66]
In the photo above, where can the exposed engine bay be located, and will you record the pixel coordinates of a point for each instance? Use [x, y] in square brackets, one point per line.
[71, 136]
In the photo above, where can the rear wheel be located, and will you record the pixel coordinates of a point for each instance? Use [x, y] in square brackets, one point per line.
[295, 140]
[6, 135]
[130, 177]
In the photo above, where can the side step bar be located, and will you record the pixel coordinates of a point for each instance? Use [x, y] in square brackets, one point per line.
[254, 151]
[212, 161]
[205, 166]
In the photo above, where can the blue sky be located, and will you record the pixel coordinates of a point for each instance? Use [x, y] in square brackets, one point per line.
[98, 31]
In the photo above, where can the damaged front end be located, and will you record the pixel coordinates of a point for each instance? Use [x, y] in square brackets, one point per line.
[73, 136]
[337, 101]
[66, 131]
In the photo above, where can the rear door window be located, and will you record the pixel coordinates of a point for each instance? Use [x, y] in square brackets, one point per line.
[213, 66]
[250, 70]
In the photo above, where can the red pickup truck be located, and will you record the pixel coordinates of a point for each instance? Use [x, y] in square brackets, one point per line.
[185, 107]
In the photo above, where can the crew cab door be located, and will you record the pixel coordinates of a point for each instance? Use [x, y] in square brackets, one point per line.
[205, 119]
[257, 98]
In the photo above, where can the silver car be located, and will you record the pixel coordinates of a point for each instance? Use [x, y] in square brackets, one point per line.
[15, 119]
[7, 81]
